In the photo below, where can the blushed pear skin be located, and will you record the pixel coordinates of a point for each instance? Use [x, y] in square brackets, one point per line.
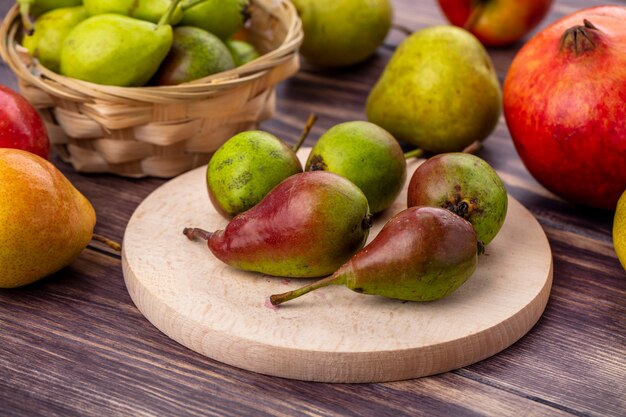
[464, 184]
[421, 254]
[46, 221]
[307, 226]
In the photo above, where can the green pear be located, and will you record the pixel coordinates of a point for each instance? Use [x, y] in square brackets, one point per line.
[242, 51]
[338, 33]
[245, 168]
[439, 91]
[195, 53]
[38, 7]
[46, 222]
[223, 18]
[150, 10]
[365, 154]
[307, 226]
[118, 50]
[51, 29]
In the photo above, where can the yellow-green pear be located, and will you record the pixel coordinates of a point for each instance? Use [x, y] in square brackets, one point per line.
[223, 18]
[45, 221]
[150, 10]
[365, 154]
[38, 7]
[113, 49]
[338, 33]
[51, 29]
[195, 53]
[242, 51]
[439, 91]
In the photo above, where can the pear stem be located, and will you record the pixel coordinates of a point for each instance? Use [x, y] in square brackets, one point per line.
[194, 233]
[25, 15]
[415, 153]
[474, 15]
[110, 243]
[167, 16]
[473, 147]
[403, 29]
[334, 279]
[305, 132]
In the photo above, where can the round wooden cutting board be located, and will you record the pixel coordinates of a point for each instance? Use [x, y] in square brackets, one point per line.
[332, 334]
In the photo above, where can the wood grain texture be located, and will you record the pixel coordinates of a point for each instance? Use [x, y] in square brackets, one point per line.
[332, 335]
[74, 344]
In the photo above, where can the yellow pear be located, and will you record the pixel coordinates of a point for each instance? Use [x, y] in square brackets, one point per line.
[46, 222]
[619, 230]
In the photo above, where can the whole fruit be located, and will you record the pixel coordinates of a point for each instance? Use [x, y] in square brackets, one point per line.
[223, 18]
[421, 254]
[51, 29]
[242, 51]
[245, 168]
[464, 184]
[195, 53]
[564, 100]
[113, 49]
[307, 226]
[619, 230]
[21, 127]
[365, 154]
[338, 33]
[45, 221]
[39, 7]
[439, 91]
[150, 10]
[496, 22]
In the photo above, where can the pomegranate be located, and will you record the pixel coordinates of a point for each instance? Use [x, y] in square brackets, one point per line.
[565, 105]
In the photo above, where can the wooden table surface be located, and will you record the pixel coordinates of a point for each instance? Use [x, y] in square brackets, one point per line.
[74, 343]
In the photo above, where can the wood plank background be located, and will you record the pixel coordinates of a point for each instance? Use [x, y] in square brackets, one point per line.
[74, 344]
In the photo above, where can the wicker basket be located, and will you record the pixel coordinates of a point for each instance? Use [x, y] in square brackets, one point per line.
[158, 131]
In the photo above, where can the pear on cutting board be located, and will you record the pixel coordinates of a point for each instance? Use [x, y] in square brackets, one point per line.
[439, 91]
[46, 222]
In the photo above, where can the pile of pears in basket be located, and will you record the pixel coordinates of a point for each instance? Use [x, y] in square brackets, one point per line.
[131, 43]
[286, 220]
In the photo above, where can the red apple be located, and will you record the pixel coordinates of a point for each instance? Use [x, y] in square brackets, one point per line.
[21, 127]
[565, 106]
[496, 22]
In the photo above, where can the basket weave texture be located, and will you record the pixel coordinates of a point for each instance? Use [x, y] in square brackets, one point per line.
[158, 131]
